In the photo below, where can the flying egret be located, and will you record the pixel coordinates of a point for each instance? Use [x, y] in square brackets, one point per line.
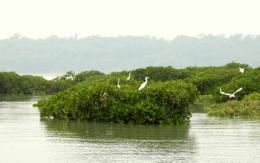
[143, 84]
[129, 76]
[241, 69]
[230, 95]
[118, 84]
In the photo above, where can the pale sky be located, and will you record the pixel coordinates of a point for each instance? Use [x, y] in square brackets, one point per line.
[159, 18]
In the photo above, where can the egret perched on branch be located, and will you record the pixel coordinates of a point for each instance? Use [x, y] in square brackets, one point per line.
[230, 95]
[118, 84]
[129, 76]
[241, 69]
[143, 84]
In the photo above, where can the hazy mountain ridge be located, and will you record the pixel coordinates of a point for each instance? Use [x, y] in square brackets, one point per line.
[108, 54]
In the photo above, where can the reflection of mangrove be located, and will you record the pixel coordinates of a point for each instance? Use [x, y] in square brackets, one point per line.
[124, 131]
[145, 136]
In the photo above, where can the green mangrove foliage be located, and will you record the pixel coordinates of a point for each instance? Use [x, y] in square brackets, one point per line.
[247, 101]
[209, 78]
[249, 81]
[70, 79]
[159, 73]
[234, 65]
[12, 83]
[93, 96]
[160, 102]
[249, 107]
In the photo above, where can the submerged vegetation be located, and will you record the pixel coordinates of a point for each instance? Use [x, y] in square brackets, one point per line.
[94, 96]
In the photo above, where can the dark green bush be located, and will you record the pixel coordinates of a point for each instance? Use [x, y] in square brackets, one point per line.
[85, 75]
[12, 83]
[162, 102]
[235, 65]
[159, 73]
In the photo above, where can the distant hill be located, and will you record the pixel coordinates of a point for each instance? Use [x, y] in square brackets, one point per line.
[108, 54]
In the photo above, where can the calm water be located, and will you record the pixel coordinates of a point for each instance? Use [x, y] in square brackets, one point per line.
[24, 138]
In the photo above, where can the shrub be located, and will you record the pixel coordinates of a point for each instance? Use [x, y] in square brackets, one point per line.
[162, 102]
[159, 73]
[12, 83]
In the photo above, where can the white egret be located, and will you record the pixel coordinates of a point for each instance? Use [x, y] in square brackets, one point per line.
[241, 69]
[105, 94]
[118, 84]
[230, 95]
[143, 84]
[129, 76]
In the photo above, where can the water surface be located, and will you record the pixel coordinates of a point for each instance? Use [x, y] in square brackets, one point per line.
[25, 138]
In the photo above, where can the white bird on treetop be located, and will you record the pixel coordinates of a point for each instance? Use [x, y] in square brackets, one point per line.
[129, 76]
[230, 95]
[118, 84]
[143, 84]
[241, 69]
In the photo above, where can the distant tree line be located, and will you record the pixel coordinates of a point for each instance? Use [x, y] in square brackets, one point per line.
[13, 83]
[207, 79]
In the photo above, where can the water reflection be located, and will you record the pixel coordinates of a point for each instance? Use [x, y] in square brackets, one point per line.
[95, 130]
[162, 141]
